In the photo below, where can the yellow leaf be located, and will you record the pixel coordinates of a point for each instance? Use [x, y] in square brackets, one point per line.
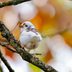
[34, 68]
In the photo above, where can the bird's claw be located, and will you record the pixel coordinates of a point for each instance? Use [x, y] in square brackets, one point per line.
[36, 54]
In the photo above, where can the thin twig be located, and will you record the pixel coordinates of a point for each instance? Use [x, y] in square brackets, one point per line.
[11, 2]
[21, 51]
[36, 54]
[6, 63]
[58, 32]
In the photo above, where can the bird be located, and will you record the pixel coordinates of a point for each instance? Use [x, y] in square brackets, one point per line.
[29, 36]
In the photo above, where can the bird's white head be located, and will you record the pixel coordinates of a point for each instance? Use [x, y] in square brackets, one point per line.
[27, 26]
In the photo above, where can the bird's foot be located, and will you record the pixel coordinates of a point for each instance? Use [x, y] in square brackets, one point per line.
[34, 54]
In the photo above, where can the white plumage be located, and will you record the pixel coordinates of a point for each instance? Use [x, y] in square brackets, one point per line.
[29, 37]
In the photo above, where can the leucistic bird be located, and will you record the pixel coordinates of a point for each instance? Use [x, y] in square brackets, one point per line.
[29, 37]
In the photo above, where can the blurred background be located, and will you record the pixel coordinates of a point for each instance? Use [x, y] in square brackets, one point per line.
[53, 19]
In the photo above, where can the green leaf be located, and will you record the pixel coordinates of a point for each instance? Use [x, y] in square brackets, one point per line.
[34, 68]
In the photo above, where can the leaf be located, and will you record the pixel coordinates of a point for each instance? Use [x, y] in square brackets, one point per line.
[34, 68]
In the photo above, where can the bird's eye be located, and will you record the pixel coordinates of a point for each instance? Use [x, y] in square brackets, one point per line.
[26, 25]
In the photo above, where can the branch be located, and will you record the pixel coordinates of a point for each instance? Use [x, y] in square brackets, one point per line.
[11, 2]
[6, 45]
[58, 32]
[21, 51]
[6, 63]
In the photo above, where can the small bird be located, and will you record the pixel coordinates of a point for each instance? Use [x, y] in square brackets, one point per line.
[29, 37]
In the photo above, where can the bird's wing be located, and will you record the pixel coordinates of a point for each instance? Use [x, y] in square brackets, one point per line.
[30, 36]
[34, 39]
[39, 37]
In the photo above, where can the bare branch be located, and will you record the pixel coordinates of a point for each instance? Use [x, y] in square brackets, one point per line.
[58, 32]
[6, 45]
[6, 63]
[21, 51]
[11, 2]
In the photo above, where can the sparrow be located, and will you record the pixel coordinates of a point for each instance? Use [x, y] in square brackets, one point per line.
[29, 37]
